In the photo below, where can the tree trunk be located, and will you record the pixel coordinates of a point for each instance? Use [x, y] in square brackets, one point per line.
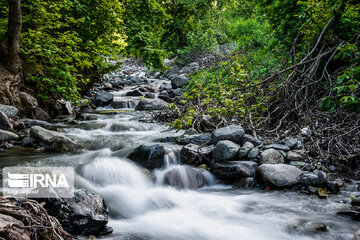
[10, 62]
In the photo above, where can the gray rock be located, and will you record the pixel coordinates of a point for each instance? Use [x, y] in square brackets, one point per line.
[253, 153]
[150, 157]
[279, 175]
[245, 149]
[40, 114]
[135, 93]
[271, 156]
[29, 142]
[297, 164]
[278, 147]
[152, 104]
[28, 123]
[234, 133]
[189, 154]
[85, 213]
[166, 98]
[195, 139]
[7, 136]
[282, 153]
[179, 81]
[234, 169]
[247, 182]
[304, 226]
[4, 122]
[294, 156]
[315, 179]
[10, 111]
[291, 143]
[251, 139]
[333, 187]
[183, 176]
[225, 150]
[103, 98]
[150, 95]
[28, 101]
[309, 167]
[54, 141]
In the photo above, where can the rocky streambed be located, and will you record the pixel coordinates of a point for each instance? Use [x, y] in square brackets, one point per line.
[137, 179]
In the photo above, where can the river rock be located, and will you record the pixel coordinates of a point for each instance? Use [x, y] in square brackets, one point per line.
[277, 147]
[189, 154]
[7, 136]
[251, 139]
[294, 156]
[152, 104]
[150, 95]
[315, 179]
[234, 133]
[184, 177]
[195, 139]
[245, 149]
[103, 98]
[179, 81]
[291, 143]
[150, 157]
[29, 142]
[355, 201]
[247, 182]
[225, 150]
[54, 141]
[135, 93]
[279, 175]
[308, 227]
[166, 98]
[28, 123]
[40, 114]
[234, 169]
[85, 213]
[28, 101]
[253, 153]
[271, 156]
[10, 111]
[5, 122]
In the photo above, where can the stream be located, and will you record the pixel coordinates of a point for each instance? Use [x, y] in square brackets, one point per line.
[141, 208]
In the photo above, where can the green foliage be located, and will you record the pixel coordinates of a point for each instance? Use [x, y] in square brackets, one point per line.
[220, 93]
[63, 41]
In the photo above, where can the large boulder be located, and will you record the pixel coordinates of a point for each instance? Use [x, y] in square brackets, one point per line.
[54, 141]
[150, 157]
[234, 169]
[179, 81]
[7, 136]
[10, 111]
[234, 133]
[103, 98]
[4, 122]
[225, 150]
[271, 156]
[85, 213]
[152, 104]
[279, 175]
[28, 101]
[194, 139]
[184, 177]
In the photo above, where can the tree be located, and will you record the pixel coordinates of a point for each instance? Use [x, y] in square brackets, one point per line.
[10, 62]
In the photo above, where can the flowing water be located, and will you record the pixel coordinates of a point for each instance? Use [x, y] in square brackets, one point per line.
[141, 208]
